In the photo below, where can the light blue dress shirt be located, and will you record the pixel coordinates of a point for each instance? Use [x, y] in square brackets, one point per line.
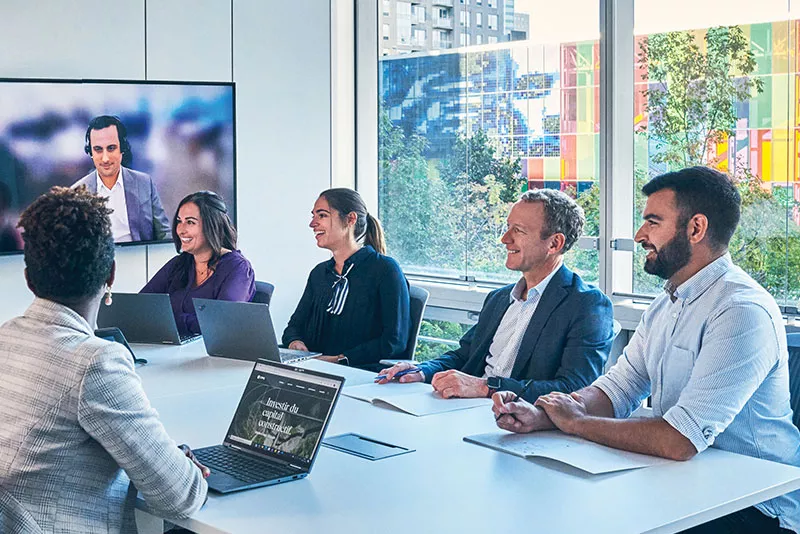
[716, 364]
[505, 345]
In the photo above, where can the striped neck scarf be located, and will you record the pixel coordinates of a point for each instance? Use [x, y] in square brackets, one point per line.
[341, 287]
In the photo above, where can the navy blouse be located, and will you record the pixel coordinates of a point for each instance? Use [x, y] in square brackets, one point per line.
[375, 321]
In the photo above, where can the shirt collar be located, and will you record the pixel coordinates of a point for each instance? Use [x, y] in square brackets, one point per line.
[702, 279]
[359, 256]
[519, 287]
[117, 184]
[52, 312]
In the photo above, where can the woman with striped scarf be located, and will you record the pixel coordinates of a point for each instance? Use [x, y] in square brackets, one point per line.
[355, 306]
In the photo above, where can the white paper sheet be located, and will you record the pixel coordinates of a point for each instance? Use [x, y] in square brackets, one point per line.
[578, 452]
[416, 398]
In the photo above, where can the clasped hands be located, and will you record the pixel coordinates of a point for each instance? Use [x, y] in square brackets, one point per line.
[554, 410]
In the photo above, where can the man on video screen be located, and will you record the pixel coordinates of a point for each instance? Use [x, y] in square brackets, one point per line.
[138, 214]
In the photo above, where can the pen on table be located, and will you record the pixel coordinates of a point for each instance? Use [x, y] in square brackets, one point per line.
[515, 399]
[404, 372]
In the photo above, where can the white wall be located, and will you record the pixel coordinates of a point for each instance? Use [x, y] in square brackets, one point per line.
[278, 53]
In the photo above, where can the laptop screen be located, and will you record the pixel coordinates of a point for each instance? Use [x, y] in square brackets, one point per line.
[283, 412]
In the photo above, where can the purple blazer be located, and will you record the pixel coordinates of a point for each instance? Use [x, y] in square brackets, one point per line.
[146, 217]
[233, 279]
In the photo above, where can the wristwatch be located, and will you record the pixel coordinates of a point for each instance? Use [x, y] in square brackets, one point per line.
[494, 384]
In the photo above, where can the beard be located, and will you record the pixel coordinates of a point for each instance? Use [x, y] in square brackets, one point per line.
[671, 258]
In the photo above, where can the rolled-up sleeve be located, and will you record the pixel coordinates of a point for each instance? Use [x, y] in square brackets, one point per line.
[739, 349]
[627, 383]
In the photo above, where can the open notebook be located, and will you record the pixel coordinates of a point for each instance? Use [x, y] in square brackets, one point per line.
[578, 452]
[415, 398]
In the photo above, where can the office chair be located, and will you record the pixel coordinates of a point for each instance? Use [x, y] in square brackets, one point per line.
[263, 292]
[617, 346]
[418, 300]
[793, 343]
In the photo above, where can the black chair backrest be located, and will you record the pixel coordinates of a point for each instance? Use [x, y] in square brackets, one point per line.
[263, 292]
[418, 300]
[793, 341]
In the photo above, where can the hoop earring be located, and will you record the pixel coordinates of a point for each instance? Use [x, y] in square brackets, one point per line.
[108, 300]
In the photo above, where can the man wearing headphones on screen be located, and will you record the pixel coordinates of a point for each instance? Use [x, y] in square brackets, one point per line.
[137, 211]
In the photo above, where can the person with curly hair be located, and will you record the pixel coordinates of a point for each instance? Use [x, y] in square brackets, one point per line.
[208, 265]
[76, 428]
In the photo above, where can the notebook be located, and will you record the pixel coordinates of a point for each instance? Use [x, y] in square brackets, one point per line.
[143, 318]
[223, 323]
[415, 398]
[277, 428]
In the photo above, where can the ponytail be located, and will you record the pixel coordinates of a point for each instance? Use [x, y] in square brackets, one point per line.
[374, 235]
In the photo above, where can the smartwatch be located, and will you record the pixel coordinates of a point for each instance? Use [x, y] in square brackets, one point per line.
[494, 384]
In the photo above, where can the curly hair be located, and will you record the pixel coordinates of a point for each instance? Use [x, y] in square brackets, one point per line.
[562, 215]
[69, 249]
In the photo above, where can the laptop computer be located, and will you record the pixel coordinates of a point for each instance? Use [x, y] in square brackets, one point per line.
[242, 331]
[143, 318]
[277, 428]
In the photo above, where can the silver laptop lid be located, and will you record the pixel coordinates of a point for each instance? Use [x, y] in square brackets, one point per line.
[283, 412]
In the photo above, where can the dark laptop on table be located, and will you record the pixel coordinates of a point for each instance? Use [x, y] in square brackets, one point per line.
[243, 331]
[143, 318]
[277, 428]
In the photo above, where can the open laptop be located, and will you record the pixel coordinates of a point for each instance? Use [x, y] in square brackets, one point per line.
[277, 428]
[143, 318]
[243, 331]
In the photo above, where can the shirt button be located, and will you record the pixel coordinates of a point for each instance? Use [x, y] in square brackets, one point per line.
[708, 433]
[674, 315]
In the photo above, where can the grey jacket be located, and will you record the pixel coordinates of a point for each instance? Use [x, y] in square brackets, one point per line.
[146, 217]
[76, 428]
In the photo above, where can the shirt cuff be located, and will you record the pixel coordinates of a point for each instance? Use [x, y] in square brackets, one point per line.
[615, 394]
[680, 420]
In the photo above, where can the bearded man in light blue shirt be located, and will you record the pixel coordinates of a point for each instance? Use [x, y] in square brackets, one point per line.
[710, 351]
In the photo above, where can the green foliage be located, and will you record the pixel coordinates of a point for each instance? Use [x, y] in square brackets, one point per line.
[692, 92]
[691, 101]
[441, 214]
[428, 350]
[586, 262]
[416, 208]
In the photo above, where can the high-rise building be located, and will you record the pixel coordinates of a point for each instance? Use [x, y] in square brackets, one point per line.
[415, 25]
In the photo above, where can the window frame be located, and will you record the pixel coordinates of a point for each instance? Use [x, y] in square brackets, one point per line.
[616, 138]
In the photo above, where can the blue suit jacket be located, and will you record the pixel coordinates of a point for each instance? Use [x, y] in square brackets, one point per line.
[146, 216]
[564, 347]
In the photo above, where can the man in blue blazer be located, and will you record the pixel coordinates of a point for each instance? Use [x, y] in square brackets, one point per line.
[548, 332]
[137, 214]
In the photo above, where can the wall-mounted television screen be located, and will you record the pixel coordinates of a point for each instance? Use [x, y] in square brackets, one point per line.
[149, 145]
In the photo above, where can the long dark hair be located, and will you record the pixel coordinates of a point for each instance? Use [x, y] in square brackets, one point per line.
[218, 229]
[367, 227]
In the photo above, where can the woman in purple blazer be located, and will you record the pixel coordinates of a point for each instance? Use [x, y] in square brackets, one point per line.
[208, 264]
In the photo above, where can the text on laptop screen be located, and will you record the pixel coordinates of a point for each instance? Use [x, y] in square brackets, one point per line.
[283, 412]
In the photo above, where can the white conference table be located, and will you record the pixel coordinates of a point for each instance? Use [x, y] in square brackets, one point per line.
[446, 485]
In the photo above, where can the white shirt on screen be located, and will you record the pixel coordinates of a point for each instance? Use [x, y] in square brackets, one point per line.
[120, 228]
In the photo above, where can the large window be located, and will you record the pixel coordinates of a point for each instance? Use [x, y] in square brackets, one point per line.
[462, 132]
[717, 85]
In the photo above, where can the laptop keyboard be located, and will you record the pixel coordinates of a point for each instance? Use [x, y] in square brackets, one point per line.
[185, 338]
[241, 466]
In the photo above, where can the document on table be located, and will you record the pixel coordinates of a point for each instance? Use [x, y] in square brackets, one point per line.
[578, 452]
[415, 398]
